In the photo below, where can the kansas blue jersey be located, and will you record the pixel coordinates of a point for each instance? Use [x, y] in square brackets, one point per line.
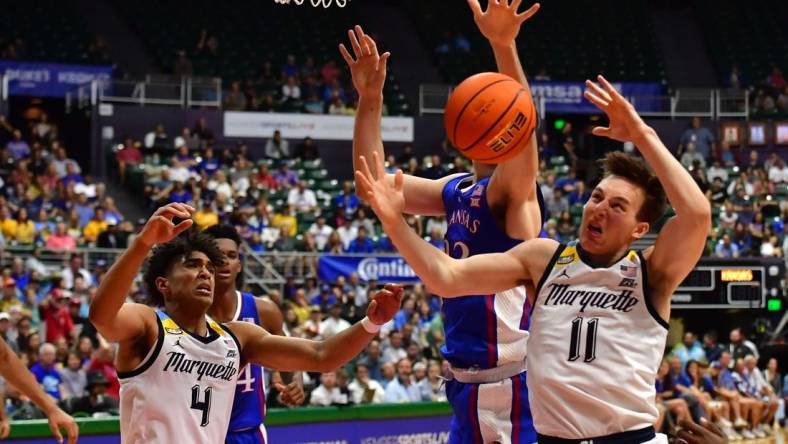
[249, 404]
[484, 331]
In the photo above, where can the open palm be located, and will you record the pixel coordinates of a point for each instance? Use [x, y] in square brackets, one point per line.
[367, 67]
[384, 195]
[500, 23]
[625, 123]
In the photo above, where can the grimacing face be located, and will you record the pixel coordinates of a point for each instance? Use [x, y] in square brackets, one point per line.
[191, 280]
[610, 216]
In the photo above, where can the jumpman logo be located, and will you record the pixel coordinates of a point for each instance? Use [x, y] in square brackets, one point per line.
[178, 343]
[563, 274]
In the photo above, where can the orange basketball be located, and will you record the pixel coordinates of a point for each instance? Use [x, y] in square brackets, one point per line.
[489, 117]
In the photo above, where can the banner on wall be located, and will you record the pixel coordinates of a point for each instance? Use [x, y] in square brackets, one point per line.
[298, 126]
[432, 430]
[567, 97]
[49, 79]
[381, 268]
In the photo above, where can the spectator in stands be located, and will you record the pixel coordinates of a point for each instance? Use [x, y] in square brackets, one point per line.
[25, 232]
[291, 91]
[46, 374]
[726, 248]
[363, 389]
[73, 269]
[203, 131]
[95, 226]
[55, 314]
[690, 156]
[96, 400]
[347, 202]
[362, 243]
[778, 171]
[329, 72]
[321, 231]
[393, 351]
[433, 387]
[559, 203]
[18, 147]
[711, 348]
[717, 194]
[157, 140]
[307, 150]
[235, 99]
[740, 347]
[128, 155]
[285, 177]
[333, 324]
[302, 198]
[336, 106]
[776, 79]
[701, 137]
[346, 233]
[265, 179]
[60, 239]
[277, 147]
[73, 377]
[689, 349]
[402, 388]
[103, 360]
[328, 393]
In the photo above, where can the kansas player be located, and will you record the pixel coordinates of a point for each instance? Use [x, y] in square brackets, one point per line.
[599, 321]
[489, 211]
[230, 304]
[178, 368]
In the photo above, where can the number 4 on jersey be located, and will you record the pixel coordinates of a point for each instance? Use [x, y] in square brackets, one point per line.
[577, 331]
[204, 406]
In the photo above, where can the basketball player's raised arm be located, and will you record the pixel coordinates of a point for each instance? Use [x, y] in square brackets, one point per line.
[17, 375]
[448, 277]
[115, 319]
[294, 354]
[690, 226]
[514, 182]
[368, 69]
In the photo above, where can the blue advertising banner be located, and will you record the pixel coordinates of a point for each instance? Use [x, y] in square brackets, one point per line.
[49, 79]
[382, 268]
[567, 97]
[432, 430]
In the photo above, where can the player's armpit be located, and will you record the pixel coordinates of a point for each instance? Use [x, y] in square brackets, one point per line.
[422, 196]
[131, 321]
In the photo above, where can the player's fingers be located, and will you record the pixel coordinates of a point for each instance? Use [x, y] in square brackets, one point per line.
[354, 44]
[610, 90]
[55, 428]
[514, 4]
[362, 39]
[596, 100]
[373, 47]
[399, 180]
[601, 131]
[476, 8]
[280, 387]
[382, 64]
[373, 306]
[711, 427]
[73, 432]
[183, 226]
[169, 212]
[5, 429]
[185, 207]
[528, 13]
[362, 182]
[694, 428]
[380, 170]
[345, 54]
[365, 168]
[593, 87]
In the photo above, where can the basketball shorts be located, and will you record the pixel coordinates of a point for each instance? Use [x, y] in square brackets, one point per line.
[491, 412]
[255, 435]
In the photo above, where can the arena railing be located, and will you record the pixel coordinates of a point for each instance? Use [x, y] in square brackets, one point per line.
[682, 102]
[185, 92]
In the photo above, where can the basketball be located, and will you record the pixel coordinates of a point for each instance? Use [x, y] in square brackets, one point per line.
[489, 117]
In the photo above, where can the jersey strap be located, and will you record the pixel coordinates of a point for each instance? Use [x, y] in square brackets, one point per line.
[152, 354]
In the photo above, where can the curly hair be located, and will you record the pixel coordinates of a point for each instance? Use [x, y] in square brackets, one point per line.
[225, 231]
[635, 171]
[164, 256]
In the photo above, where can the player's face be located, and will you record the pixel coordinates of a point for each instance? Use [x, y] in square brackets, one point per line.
[610, 216]
[226, 274]
[191, 280]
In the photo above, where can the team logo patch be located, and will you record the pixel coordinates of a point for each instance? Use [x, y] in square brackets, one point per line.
[173, 331]
[230, 343]
[231, 353]
[475, 202]
[563, 274]
[628, 283]
[566, 260]
[478, 190]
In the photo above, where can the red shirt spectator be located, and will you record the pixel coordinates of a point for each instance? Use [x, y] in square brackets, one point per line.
[55, 313]
[130, 155]
[265, 178]
[102, 361]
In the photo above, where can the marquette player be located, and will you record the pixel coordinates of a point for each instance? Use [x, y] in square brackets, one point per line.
[599, 321]
[489, 211]
[229, 304]
[179, 371]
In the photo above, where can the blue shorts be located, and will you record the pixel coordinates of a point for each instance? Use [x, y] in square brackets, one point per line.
[491, 412]
[255, 435]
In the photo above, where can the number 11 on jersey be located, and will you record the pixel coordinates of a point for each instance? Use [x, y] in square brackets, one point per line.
[577, 331]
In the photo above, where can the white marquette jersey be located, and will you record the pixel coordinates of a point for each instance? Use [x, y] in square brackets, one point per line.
[183, 390]
[596, 343]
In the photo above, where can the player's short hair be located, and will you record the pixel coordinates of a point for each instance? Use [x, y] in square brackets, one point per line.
[225, 231]
[634, 170]
[165, 255]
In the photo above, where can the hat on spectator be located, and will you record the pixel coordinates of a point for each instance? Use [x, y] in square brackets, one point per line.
[315, 309]
[419, 366]
[325, 288]
[101, 263]
[9, 281]
[5, 316]
[97, 377]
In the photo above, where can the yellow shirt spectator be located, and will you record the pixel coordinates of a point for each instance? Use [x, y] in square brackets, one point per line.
[25, 232]
[8, 226]
[93, 229]
[205, 218]
[291, 221]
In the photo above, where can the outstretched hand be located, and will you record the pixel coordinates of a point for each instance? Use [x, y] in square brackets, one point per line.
[500, 23]
[367, 67]
[625, 123]
[161, 228]
[291, 395]
[58, 419]
[384, 195]
[385, 304]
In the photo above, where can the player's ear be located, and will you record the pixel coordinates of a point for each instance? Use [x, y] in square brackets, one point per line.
[163, 285]
[641, 229]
